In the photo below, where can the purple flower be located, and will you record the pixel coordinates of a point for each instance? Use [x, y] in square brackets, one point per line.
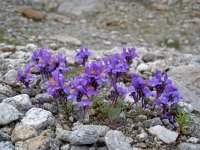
[129, 55]
[82, 55]
[58, 62]
[138, 89]
[25, 76]
[58, 86]
[84, 103]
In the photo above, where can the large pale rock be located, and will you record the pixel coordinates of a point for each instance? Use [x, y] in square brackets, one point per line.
[6, 145]
[115, 140]
[83, 136]
[164, 134]
[67, 39]
[188, 146]
[8, 114]
[38, 118]
[187, 80]
[77, 7]
[23, 132]
[21, 102]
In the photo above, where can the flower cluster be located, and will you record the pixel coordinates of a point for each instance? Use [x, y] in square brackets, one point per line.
[109, 71]
[25, 76]
[82, 55]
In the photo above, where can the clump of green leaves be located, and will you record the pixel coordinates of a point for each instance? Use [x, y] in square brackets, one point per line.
[170, 43]
[183, 121]
[74, 71]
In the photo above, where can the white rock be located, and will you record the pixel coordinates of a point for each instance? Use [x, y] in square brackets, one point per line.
[142, 136]
[128, 99]
[185, 107]
[164, 134]
[8, 114]
[20, 102]
[142, 67]
[38, 118]
[193, 140]
[31, 46]
[115, 140]
[68, 39]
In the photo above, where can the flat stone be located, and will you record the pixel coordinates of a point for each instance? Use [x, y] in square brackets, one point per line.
[21, 102]
[188, 146]
[30, 13]
[77, 7]
[187, 80]
[68, 39]
[4, 136]
[6, 145]
[164, 134]
[83, 136]
[38, 118]
[115, 140]
[8, 114]
[152, 122]
[62, 19]
[160, 7]
[22, 133]
[149, 57]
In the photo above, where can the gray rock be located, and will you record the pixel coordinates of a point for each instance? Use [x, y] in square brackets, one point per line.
[4, 136]
[68, 39]
[21, 102]
[152, 122]
[142, 136]
[77, 7]
[8, 114]
[62, 134]
[6, 145]
[194, 127]
[83, 135]
[187, 80]
[166, 122]
[44, 98]
[10, 77]
[38, 118]
[193, 140]
[79, 148]
[188, 146]
[31, 92]
[100, 129]
[5, 91]
[65, 147]
[164, 134]
[149, 57]
[115, 140]
[22, 133]
[185, 107]
[142, 67]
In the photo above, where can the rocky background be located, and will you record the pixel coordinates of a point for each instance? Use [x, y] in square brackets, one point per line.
[166, 34]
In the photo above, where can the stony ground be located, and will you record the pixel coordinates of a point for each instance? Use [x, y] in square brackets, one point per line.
[166, 34]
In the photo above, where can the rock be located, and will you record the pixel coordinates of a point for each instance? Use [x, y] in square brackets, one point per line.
[6, 145]
[115, 140]
[5, 91]
[22, 133]
[100, 129]
[62, 18]
[141, 118]
[149, 57]
[4, 136]
[43, 98]
[152, 122]
[195, 14]
[194, 127]
[160, 7]
[83, 135]
[21, 102]
[38, 118]
[193, 140]
[62, 134]
[166, 122]
[30, 13]
[185, 107]
[31, 47]
[10, 77]
[30, 91]
[188, 146]
[40, 142]
[8, 114]
[70, 6]
[128, 99]
[161, 65]
[65, 147]
[187, 80]
[67, 39]
[142, 67]
[164, 134]
[142, 136]
[79, 148]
